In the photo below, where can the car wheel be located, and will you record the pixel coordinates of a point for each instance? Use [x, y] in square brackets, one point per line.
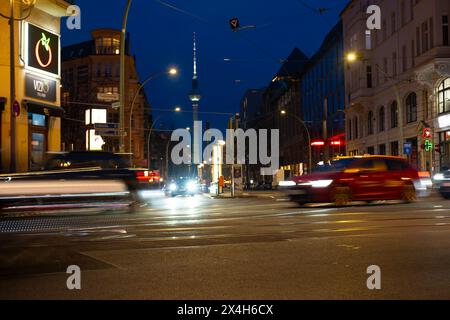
[341, 196]
[409, 193]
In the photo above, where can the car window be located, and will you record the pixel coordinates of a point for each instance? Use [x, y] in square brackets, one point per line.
[375, 165]
[396, 165]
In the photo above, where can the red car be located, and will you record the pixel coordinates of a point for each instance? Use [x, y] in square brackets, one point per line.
[367, 178]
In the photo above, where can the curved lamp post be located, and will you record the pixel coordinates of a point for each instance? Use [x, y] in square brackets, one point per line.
[354, 56]
[171, 72]
[177, 109]
[283, 112]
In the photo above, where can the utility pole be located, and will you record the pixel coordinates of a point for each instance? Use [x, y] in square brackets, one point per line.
[12, 164]
[122, 80]
[326, 149]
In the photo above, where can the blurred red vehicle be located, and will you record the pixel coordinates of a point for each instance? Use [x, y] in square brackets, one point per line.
[366, 178]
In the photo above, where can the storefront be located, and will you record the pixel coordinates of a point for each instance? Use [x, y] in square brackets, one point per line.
[42, 69]
[443, 123]
[444, 149]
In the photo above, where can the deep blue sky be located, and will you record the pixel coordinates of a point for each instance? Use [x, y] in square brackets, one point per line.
[161, 37]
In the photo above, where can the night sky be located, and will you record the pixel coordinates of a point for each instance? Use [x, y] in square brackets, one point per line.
[161, 36]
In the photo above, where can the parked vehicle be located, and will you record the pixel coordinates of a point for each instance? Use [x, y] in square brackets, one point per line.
[366, 178]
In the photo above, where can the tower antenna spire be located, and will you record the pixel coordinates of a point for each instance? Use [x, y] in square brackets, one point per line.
[195, 58]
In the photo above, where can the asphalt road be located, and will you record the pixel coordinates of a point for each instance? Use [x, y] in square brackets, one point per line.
[259, 247]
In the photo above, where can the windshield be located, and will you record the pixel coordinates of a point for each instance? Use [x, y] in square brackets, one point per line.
[335, 166]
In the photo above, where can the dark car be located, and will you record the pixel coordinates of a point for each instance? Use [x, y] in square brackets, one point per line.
[367, 178]
[442, 181]
[182, 187]
[70, 178]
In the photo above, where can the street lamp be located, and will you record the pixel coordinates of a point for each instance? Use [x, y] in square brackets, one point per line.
[171, 72]
[283, 112]
[122, 79]
[354, 56]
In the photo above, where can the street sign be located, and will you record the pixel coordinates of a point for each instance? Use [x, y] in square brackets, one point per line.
[115, 105]
[407, 148]
[109, 125]
[107, 133]
[234, 24]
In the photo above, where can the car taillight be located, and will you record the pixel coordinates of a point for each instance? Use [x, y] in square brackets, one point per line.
[141, 176]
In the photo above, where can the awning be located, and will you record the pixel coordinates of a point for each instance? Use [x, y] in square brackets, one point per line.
[45, 109]
[2, 103]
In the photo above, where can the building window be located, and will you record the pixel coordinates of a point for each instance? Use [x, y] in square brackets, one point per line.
[445, 39]
[393, 23]
[382, 149]
[370, 123]
[411, 108]
[381, 119]
[404, 61]
[444, 96]
[355, 124]
[394, 115]
[413, 58]
[402, 13]
[394, 148]
[425, 46]
[418, 41]
[426, 106]
[369, 76]
[371, 150]
[394, 64]
[349, 130]
[431, 33]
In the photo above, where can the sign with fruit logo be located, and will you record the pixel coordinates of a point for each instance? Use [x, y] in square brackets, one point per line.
[42, 49]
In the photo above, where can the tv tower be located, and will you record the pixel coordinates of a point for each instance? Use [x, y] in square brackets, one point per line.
[194, 95]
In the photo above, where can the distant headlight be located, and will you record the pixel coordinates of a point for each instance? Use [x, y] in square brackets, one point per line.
[287, 183]
[439, 176]
[321, 183]
[192, 186]
[173, 187]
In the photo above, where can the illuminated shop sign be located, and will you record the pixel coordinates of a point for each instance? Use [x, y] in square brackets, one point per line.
[42, 49]
[444, 121]
[40, 88]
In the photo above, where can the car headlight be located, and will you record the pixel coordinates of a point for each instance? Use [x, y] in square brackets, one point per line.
[192, 186]
[172, 187]
[287, 183]
[438, 176]
[321, 183]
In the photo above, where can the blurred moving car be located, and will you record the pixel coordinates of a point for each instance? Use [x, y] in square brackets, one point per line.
[70, 178]
[366, 178]
[182, 187]
[442, 182]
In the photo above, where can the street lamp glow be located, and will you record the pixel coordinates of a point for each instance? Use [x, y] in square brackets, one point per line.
[177, 109]
[283, 112]
[351, 57]
[173, 71]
